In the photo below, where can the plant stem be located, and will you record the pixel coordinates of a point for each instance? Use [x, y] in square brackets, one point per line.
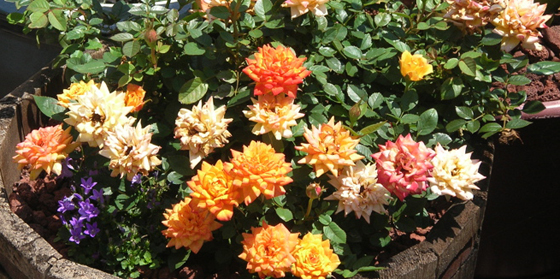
[309, 204]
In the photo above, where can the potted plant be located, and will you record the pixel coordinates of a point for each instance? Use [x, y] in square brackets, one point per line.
[247, 129]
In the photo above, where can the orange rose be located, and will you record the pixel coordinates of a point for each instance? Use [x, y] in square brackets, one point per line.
[276, 70]
[76, 89]
[259, 169]
[314, 258]
[268, 249]
[134, 96]
[188, 226]
[213, 189]
[44, 149]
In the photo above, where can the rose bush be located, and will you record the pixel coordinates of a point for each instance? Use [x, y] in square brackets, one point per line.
[204, 137]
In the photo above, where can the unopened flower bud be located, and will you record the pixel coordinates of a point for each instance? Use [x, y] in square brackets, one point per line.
[151, 36]
[314, 190]
[355, 112]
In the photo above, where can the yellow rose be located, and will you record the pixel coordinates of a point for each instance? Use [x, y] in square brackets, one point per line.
[314, 258]
[415, 67]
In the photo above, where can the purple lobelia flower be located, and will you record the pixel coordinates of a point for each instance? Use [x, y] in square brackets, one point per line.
[76, 230]
[67, 168]
[87, 210]
[66, 204]
[88, 184]
[92, 229]
[97, 195]
[136, 179]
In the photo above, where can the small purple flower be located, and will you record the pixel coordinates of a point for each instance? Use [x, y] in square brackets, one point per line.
[136, 179]
[65, 204]
[91, 230]
[87, 210]
[76, 223]
[63, 219]
[88, 184]
[67, 168]
[95, 171]
[76, 230]
[78, 196]
[76, 235]
[97, 195]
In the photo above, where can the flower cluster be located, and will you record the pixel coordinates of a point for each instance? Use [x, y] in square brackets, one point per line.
[516, 21]
[78, 213]
[273, 251]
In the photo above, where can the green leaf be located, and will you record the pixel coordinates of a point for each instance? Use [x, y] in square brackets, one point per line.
[330, 89]
[380, 239]
[409, 100]
[48, 105]
[544, 68]
[519, 80]
[220, 12]
[327, 51]
[517, 123]
[464, 112]
[240, 98]
[192, 91]
[356, 94]
[262, 9]
[193, 48]
[122, 37]
[451, 63]
[335, 65]
[39, 6]
[423, 26]
[352, 52]
[334, 233]
[490, 127]
[15, 18]
[178, 258]
[375, 100]
[255, 33]
[38, 20]
[57, 20]
[455, 125]
[473, 126]
[491, 39]
[441, 138]
[131, 48]
[382, 19]
[451, 88]
[362, 262]
[533, 107]
[428, 122]
[371, 128]
[284, 214]
[468, 66]
[92, 67]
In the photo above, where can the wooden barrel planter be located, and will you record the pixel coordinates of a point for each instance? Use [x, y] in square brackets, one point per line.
[450, 250]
